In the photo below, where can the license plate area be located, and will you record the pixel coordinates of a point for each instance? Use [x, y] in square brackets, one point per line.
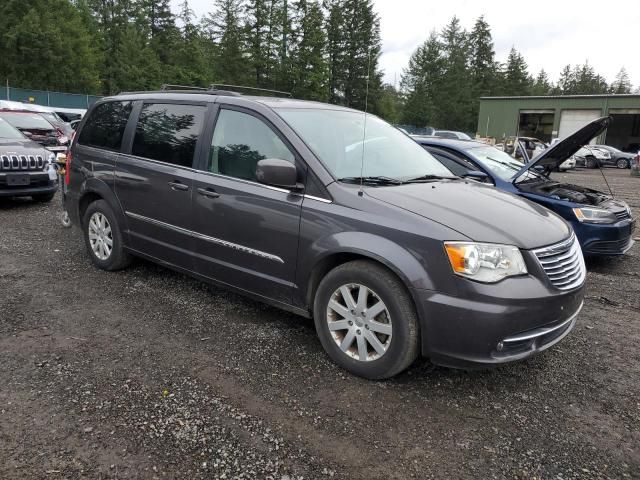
[18, 180]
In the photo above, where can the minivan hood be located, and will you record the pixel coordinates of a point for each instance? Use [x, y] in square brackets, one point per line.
[479, 212]
[556, 154]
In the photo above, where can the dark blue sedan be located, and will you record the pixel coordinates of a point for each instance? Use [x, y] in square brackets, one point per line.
[603, 224]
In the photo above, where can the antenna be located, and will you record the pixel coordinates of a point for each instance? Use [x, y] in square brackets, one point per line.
[364, 127]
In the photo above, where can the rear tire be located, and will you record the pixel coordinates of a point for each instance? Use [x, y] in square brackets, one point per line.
[622, 163]
[383, 319]
[47, 197]
[103, 237]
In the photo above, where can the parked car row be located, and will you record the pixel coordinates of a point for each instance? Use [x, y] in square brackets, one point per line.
[592, 156]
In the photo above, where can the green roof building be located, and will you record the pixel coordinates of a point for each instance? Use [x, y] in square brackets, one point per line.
[552, 117]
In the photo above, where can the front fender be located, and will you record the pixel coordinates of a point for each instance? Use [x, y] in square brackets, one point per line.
[395, 257]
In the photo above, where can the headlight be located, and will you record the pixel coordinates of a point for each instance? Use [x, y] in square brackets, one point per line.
[485, 262]
[594, 215]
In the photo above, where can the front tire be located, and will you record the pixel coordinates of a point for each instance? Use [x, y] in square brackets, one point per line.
[47, 197]
[366, 320]
[591, 162]
[103, 237]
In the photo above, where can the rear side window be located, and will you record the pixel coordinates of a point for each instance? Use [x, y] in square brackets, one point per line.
[168, 132]
[105, 126]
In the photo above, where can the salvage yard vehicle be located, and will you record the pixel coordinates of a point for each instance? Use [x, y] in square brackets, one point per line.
[26, 168]
[603, 224]
[617, 158]
[35, 127]
[329, 213]
[590, 157]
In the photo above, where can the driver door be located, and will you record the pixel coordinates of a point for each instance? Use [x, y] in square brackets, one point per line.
[246, 233]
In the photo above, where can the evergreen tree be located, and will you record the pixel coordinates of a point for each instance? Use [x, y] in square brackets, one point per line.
[194, 54]
[362, 79]
[542, 84]
[454, 100]
[622, 83]
[225, 30]
[516, 77]
[420, 83]
[482, 59]
[336, 40]
[310, 67]
[46, 45]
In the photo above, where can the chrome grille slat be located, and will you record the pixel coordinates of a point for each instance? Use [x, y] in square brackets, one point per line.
[563, 263]
[22, 162]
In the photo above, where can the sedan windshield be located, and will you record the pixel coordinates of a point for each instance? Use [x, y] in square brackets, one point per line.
[501, 164]
[27, 121]
[382, 154]
[7, 131]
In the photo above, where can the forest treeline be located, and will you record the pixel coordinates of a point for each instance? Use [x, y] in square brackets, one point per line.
[327, 50]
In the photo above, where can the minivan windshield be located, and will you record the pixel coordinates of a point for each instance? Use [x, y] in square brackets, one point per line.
[338, 138]
[501, 164]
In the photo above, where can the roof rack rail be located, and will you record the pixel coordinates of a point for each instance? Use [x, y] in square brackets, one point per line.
[168, 86]
[216, 86]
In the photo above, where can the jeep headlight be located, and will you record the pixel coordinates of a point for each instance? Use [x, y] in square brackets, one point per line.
[485, 262]
[594, 215]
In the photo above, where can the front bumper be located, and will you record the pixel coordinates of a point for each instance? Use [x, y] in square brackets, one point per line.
[478, 330]
[604, 240]
[39, 184]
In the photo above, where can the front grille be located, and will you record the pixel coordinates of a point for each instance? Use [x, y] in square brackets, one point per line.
[612, 247]
[16, 163]
[622, 215]
[563, 263]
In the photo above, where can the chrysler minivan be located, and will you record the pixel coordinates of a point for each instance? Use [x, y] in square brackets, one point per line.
[329, 213]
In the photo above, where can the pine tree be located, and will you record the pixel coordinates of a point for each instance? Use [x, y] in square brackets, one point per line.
[542, 84]
[336, 40]
[45, 44]
[194, 55]
[482, 58]
[420, 83]
[516, 76]
[362, 79]
[310, 67]
[454, 99]
[225, 30]
[622, 83]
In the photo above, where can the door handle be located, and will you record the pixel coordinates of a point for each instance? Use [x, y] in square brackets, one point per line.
[178, 186]
[208, 192]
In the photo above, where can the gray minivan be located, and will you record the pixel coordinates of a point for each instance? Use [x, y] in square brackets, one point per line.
[329, 213]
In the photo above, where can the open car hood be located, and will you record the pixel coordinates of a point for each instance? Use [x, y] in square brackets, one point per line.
[553, 156]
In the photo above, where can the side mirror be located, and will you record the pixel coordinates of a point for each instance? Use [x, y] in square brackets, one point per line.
[278, 173]
[476, 175]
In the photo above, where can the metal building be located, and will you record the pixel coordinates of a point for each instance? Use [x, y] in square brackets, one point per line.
[552, 117]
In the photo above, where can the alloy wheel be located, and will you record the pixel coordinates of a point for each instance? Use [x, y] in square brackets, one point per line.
[622, 163]
[100, 236]
[359, 322]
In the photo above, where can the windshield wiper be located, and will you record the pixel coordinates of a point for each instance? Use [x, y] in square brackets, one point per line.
[376, 180]
[426, 178]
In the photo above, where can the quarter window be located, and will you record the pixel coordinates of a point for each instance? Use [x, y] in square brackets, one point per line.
[105, 126]
[168, 132]
[239, 142]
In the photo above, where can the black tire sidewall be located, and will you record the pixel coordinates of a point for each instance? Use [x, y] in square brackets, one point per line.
[392, 293]
[118, 257]
[625, 163]
[43, 198]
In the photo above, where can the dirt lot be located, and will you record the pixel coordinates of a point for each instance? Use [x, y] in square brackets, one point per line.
[149, 374]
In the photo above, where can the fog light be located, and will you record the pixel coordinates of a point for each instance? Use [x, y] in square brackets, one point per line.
[500, 346]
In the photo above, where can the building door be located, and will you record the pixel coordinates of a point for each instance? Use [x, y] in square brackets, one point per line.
[573, 120]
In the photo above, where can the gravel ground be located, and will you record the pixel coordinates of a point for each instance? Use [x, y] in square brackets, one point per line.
[146, 373]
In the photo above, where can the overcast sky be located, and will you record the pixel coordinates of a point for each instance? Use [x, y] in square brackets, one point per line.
[550, 34]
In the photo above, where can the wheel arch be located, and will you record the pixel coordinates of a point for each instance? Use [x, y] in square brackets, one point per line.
[93, 190]
[396, 259]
